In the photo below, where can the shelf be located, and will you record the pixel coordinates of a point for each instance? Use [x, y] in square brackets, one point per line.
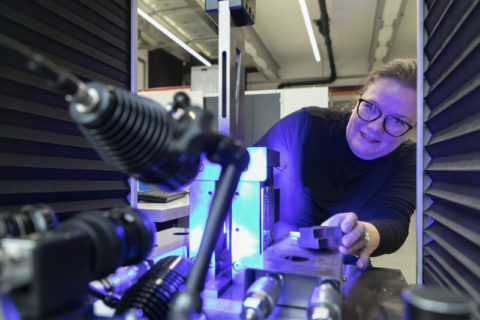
[172, 241]
[161, 212]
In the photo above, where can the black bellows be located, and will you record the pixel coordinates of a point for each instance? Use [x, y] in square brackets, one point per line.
[154, 291]
[133, 135]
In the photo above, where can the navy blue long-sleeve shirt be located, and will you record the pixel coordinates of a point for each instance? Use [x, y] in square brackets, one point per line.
[320, 176]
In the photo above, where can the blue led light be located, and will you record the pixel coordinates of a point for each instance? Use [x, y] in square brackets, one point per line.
[246, 207]
[256, 170]
[246, 224]
[195, 239]
[294, 235]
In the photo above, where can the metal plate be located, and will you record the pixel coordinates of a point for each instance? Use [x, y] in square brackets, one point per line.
[301, 268]
[287, 257]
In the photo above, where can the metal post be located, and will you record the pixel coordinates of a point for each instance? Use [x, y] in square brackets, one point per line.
[420, 133]
[231, 76]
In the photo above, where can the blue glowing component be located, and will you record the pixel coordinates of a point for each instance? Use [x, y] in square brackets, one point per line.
[201, 196]
[143, 187]
[195, 238]
[294, 235]
[208, 171]
[256, 170]
[246, 224]
[246, 233]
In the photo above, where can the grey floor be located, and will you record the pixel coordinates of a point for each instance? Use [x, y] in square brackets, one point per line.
[403, 259]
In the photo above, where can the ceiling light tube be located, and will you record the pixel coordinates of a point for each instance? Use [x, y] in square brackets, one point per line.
[308, 24]
[173, 37]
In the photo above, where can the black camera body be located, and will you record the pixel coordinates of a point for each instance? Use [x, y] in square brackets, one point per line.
[47, 274]
[61, 274]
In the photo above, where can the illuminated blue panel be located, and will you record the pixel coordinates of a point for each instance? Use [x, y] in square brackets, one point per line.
[201, 196]
[246, 224]
[256, 171]
[257, 168]
[246, 208]
[208, 171]
[294, 235]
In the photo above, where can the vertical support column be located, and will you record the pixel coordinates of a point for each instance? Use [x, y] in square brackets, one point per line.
[231, 76]
[133, 195]
[224, 67]
[133, 46]
[420, 164]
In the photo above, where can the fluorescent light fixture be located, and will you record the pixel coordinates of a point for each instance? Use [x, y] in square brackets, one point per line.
[173, 37]
[308, 24]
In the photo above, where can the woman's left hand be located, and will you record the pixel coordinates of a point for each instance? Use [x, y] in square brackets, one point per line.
[360, 238]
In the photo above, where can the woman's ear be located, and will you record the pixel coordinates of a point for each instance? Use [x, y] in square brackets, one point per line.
[412, 134]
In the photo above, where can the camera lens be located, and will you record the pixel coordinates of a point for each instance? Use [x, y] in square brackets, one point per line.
[29, 219]
[119, 237]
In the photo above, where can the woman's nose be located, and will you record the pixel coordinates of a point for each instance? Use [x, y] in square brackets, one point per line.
[376, 125]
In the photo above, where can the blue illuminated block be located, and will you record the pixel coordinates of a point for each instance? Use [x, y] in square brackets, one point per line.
[247, 211]
[256, 170]
[246, 224]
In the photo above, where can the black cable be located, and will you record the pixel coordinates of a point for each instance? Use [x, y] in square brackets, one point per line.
[109, 300]
[56, 77]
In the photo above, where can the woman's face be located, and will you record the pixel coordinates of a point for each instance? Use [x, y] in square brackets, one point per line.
[368, 140]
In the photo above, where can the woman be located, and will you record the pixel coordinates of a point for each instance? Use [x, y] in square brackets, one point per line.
[353, 169]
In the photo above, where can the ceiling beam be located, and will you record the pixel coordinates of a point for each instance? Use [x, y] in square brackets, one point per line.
[388, 15]
[260, 55]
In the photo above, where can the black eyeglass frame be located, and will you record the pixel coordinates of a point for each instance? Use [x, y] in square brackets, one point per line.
[410, 127]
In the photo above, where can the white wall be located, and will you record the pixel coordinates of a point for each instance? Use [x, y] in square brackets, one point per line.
[142, 69]
[295, 99]
[205, 79]
[405, 258]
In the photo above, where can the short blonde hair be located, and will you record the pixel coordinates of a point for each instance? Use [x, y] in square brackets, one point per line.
[403, 70]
